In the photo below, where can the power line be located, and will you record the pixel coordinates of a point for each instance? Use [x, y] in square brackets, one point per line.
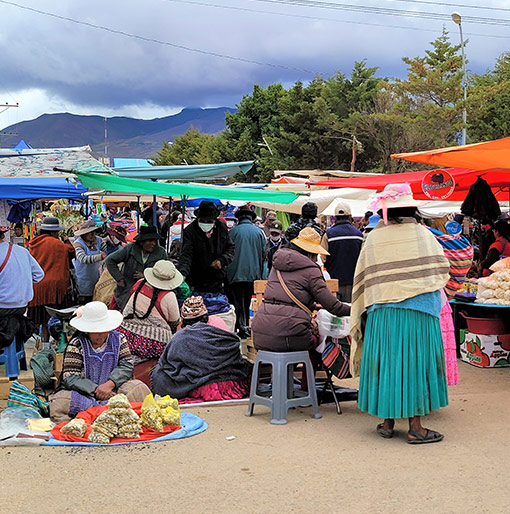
[385, 11]
[308, 17]
[462, 6]
[157, 41]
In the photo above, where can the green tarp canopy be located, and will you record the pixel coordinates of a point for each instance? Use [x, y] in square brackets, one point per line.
[108, 182]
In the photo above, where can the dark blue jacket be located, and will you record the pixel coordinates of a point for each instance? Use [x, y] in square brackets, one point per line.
[344, 246]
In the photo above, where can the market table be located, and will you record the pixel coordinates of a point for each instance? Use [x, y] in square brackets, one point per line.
[472, 309]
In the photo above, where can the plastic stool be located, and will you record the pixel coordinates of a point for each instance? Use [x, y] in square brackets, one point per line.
[282, 382]
[12, 360]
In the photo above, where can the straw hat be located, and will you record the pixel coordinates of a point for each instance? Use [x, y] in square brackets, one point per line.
[164, 275]
[193, 307]
[85, 228]
[310, 241]
[393, 196]
[95, 317]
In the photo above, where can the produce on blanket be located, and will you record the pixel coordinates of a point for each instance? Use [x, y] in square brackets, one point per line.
[76, 427]
[158, 413]
[119, 420]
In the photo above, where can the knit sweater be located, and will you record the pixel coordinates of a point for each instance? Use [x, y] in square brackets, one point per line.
[73, 373]
[158, 326]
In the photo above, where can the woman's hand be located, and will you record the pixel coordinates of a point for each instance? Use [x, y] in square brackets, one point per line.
[138, 275]
[105, 391]
[121, 283]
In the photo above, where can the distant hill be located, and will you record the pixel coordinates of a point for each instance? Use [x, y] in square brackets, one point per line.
[127, 137]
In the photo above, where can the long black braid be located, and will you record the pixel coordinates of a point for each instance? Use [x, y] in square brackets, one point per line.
[154, 299]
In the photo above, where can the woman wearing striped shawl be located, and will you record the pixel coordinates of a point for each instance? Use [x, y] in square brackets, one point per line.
[459, 253]
[397, 348]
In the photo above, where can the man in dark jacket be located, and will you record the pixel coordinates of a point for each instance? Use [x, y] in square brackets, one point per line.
[247, 266]
[206, 250]
[307, 219]
[343, 241]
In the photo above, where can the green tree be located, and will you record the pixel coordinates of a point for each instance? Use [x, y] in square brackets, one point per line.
[194, 148]
[488, 106]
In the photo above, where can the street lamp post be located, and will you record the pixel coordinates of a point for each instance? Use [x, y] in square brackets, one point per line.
[457, 19]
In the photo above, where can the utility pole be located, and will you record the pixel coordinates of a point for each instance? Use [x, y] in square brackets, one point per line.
[3, 108]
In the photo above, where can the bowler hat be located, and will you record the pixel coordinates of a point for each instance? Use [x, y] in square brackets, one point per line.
[147, 233]
[207, 210]
[245, 212]
[51, 224]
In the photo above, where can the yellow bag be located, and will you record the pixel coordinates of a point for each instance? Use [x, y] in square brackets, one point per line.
[151, 414]
[170, 411]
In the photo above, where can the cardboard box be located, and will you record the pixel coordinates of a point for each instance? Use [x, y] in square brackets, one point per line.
[485, 351]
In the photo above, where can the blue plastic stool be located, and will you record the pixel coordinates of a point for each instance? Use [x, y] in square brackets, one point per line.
[283, 395]
[13, 360]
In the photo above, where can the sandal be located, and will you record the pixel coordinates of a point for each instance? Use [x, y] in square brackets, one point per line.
[430, 437]
[387, 434]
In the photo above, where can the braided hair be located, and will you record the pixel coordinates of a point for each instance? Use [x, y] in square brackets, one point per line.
[155, 294]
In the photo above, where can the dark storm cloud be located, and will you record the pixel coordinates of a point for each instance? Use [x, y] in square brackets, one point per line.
[89, 67]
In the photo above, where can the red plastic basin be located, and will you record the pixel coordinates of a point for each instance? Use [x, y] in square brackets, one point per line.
[484, 326]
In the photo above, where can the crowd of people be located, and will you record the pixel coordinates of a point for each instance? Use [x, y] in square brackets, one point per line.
[164, 322]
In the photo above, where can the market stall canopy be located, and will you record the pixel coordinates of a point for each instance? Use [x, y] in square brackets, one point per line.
[322, 173]
[31, 163]
[193, 172]
[464, 178]
[323, 199]
[488, 156]
[39, 188]
[108, 182]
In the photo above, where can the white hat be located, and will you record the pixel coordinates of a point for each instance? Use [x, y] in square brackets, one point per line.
[393, 196]
[342, 209]
[164, 275]
[95, 317]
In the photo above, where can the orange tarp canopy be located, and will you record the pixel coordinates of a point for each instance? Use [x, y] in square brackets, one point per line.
[489, 156]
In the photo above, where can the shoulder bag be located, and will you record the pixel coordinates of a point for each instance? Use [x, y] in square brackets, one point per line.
[314, 327]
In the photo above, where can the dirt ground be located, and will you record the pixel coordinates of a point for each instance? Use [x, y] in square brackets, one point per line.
[334, 464]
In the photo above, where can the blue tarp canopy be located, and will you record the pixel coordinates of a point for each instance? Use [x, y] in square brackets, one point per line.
[36, 188]
[120, 162]
[184, 172]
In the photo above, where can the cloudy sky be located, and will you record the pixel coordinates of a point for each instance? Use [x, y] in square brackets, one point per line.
[149, 59]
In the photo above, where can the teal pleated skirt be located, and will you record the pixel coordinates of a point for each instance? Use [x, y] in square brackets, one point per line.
[402, 366]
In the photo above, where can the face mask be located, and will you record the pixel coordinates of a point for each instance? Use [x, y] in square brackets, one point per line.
[206, 227]
[275, 239]
[230, 224]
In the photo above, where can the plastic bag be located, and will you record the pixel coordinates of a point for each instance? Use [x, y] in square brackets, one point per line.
[170, 411]
[151, 414]
[501, 265]
[333, 326]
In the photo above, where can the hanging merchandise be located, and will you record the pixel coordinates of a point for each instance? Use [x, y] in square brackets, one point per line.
[20, 211]
[480, 202]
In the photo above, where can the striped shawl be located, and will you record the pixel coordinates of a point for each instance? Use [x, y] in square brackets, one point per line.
[398, 261]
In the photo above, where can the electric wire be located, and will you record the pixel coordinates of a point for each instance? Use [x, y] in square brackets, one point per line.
[167, 43]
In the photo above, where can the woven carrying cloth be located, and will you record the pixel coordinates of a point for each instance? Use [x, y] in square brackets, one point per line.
[398, 261]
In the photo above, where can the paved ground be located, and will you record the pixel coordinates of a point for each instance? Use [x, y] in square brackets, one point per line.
[334, 465]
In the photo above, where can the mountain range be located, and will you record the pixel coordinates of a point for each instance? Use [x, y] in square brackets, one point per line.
[127, 137]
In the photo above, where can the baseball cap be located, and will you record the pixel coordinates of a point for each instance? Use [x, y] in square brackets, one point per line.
[276, 226]
[342, 209]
